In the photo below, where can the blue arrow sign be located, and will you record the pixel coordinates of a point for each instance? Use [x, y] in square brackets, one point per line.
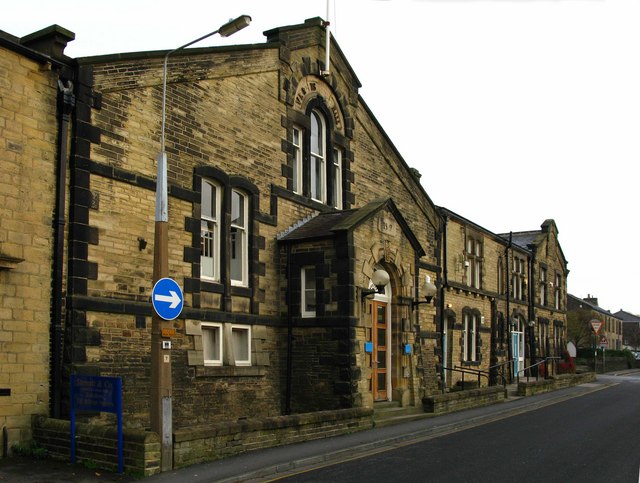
[167, 298]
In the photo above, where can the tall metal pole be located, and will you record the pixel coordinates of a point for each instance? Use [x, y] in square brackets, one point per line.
[161, 412]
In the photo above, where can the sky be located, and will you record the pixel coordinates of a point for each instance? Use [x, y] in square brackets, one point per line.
[514, 111]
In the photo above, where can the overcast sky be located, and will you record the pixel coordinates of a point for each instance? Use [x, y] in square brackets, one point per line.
[514, 111]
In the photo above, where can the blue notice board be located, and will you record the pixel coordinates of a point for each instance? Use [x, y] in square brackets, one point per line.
[99, 394]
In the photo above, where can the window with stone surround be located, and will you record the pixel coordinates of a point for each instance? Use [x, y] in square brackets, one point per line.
[471, 335]
[518, 281]
[298, 133]
[543, 337]
[239, 256]
[473, 257]
[308, 291]
[543, 286]
[241, 343]
[558, 292]
[212, 343]
[318, 155]
[224, 348]
[210, 199]
[223, 232]
[336, 179]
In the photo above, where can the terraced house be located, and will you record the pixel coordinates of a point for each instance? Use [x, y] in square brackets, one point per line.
[317, 273]
[504, 301]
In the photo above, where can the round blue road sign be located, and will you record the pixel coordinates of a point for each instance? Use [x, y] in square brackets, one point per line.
[167, 298]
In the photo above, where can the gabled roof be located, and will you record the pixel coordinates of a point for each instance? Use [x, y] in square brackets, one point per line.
[627, 316]
[504, 239]
[533, 238]
[589, 306]
[326, 225]
[274, 34]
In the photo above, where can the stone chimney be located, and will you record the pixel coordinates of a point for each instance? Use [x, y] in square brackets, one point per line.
[591, 300]
[50, 41]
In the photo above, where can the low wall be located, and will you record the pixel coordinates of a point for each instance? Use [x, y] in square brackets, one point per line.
[553, 383]
[459, 400]
[191, 445]
[99, 445]
[214, 441]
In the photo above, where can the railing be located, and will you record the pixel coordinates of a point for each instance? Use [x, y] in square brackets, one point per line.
[505, 368]
[543, 363]
[477, 373]
[501, 372]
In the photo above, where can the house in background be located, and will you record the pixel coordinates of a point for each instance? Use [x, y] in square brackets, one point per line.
[630, 329]
[586, 310]
[504, 299]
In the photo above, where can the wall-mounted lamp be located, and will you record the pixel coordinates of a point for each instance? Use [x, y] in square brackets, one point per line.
[429, 291]
[380, 279]
[142, 243]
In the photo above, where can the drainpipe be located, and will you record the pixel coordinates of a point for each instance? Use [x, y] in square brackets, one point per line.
[66, 103]
[443, 286]
[532, 313]
[287, 402]
[508, 287]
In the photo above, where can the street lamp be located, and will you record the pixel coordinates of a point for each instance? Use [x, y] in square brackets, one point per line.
[160, 410]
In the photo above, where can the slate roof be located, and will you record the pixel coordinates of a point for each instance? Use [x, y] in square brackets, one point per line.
[627, 316]
[325, 225]
[320, 226]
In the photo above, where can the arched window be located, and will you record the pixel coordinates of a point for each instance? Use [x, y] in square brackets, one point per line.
[210, 230]
[317, 157]
[318, 152]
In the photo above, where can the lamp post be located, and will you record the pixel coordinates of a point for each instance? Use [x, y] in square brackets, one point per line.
[160, 409]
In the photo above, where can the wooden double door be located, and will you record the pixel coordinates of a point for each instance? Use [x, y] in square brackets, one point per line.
[380, 355]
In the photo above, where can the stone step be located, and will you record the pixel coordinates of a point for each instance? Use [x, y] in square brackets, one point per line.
[386, 414]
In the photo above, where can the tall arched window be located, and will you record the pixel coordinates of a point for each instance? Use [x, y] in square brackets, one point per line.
[318, 150]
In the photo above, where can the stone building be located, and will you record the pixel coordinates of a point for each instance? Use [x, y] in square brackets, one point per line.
[285, 195]
[307, 251]
[34, 126]
[504, 300]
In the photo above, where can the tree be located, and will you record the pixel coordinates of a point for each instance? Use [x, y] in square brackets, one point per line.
[578, 328]
[631, 334]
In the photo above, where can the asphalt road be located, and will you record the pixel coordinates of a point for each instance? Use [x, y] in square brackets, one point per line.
[591, 438]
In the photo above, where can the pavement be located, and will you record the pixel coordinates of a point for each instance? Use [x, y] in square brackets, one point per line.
[275, 462]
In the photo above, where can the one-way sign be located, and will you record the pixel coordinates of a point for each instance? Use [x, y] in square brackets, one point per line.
[167, 298]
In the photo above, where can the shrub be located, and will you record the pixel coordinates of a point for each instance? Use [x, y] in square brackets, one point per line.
[30, 449]
[567, 365]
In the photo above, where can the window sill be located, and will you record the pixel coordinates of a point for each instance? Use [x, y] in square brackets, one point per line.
[230, 371]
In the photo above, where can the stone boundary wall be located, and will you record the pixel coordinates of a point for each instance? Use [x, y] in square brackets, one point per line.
[141, 449]
[99, 445]
[557, 382]
[220, 440]
[459, 400]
